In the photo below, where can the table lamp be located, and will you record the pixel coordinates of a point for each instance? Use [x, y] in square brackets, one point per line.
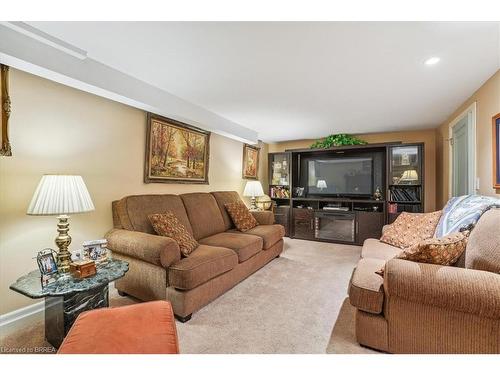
[409, 176]
[61, 195]
[321, 184]
[253, 189]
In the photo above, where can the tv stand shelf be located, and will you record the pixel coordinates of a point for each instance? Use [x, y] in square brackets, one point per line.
[396, 171]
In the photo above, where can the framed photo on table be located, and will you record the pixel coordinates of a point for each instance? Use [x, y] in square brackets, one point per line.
[496, 151]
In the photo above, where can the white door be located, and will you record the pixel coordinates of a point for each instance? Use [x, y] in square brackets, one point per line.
[463, 154]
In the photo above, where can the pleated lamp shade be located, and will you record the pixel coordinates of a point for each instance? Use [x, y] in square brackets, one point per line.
[253, 189]
[60, 195]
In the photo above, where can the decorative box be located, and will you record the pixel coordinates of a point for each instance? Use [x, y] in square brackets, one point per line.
[81, 269]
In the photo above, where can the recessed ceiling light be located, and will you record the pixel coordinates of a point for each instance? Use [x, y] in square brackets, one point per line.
[432, 61]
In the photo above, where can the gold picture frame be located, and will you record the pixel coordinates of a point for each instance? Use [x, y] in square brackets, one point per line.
[250, 167]
[495, 123]
[5, 105]
[175, 152]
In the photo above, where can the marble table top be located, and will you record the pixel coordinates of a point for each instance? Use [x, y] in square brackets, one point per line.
[31, 286]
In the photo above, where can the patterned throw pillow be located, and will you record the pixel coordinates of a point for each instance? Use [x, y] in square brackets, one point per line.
[444, 251]
[241, 216]
[411, 228]
[168, 225]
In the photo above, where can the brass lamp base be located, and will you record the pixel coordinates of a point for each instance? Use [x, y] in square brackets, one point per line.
[62, 241]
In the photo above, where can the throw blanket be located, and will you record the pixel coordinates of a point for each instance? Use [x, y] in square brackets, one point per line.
[463, 211]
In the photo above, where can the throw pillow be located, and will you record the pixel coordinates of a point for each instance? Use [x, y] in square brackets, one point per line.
[444, 251]
[168, 225]
[241, 216]
[411, 228]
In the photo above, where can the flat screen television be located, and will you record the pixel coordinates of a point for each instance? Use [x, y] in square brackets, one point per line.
[343, 176]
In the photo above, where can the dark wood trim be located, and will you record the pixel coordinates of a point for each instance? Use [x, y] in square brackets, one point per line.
[147, 178]
[496, 166]
[245, 145]
[342, 148]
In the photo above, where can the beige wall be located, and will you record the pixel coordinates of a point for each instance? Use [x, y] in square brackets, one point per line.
[57, 129]
[427, 136]
[487, 99]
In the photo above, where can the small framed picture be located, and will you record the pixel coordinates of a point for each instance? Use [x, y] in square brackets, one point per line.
[46, 260]
[96, 250]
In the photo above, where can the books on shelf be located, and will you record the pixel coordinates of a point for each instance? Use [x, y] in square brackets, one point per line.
[280, 192]
[404, 194]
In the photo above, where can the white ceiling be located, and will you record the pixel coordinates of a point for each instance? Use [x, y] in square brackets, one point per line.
[294, 80]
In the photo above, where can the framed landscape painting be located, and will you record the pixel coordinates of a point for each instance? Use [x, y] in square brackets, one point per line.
[496, 151]
[175, 152]
[250, 162]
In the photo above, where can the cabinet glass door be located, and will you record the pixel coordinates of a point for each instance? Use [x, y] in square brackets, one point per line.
[405, 167]
[280, 170]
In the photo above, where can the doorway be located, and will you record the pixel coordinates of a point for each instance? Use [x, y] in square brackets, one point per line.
[463, 153]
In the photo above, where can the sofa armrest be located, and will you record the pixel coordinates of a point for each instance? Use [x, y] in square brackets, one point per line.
[263, 217]
[385, 227]
[158, 250]
[460, 289]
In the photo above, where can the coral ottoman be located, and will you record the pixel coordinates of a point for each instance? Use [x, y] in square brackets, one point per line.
[144, 328]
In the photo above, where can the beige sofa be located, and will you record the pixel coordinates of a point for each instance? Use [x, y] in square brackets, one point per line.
[426, 308]
[224, 258]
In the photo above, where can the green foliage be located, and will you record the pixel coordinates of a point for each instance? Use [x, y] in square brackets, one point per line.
[338, 140]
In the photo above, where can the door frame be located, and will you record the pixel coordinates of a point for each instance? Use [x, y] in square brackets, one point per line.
[470, 111]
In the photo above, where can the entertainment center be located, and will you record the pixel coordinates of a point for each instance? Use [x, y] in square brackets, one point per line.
[345, 194]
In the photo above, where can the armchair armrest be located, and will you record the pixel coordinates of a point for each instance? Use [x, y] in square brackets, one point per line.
[460, 289]
[263, 217]
[158, 250]
[385, 227]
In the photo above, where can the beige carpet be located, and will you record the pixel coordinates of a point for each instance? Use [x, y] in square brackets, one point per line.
[289, 306]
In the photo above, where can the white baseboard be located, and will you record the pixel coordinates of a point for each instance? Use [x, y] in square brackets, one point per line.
[21, 317]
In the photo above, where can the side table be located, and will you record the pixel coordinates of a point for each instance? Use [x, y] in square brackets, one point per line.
[67, 297]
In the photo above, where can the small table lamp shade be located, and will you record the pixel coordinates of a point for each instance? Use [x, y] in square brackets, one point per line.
[253, 189]
[60, 195]
[321, 184]
[409, 175]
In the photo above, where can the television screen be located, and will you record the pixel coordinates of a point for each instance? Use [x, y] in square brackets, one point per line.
[340, 176]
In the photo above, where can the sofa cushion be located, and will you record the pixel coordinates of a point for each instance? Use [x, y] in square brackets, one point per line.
[483, 247]
[444, 251]
[204, 214]
[241, 216]
[245, 245]
[203, 264]
[167, 225]
[373, 248]
[269, 233]
[411, 228]
[366, 291]
[223, 197]
[133, 211]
